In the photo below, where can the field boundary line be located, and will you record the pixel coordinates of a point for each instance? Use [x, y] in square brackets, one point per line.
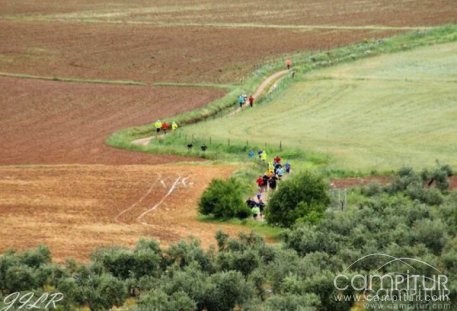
[309, 27]
[159, 176]
[202, 85]
[368, 78]
[170, 191]
[72, 80]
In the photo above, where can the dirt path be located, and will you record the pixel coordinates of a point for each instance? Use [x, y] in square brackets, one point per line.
[268, 82]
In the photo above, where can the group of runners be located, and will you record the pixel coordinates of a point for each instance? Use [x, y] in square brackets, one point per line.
[268, 181]
[243, 98]
[272, 175]
[165, 126]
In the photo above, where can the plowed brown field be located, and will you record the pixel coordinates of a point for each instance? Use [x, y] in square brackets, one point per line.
[307, 12]
[47, 122]
[74, 209]
[154, 54]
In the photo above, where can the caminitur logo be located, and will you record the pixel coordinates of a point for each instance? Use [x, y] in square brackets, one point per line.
[402, 284]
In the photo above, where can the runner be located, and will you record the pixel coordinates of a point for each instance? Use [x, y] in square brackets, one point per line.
[288, 63]
[261, 206]
[241, 101]
[260, 182]
[165, 127]
[272, 182]
[251, 101]
[255, 212]
[263, 156]
[260, 154]
[277, 167]
[287, 166]
[265, 179]
[174, 126]
[280, 172]
[251, 203]
[277, 160]
[158, 125]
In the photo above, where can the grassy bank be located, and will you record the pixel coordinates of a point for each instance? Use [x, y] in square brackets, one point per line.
[226, 137]
[383, 112]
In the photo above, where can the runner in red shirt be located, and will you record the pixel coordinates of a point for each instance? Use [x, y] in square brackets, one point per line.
[251, 101]
[165, 127]
[260, 183]
[288, 63]
[277, 159]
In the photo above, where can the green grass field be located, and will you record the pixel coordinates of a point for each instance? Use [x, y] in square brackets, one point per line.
[377, 113]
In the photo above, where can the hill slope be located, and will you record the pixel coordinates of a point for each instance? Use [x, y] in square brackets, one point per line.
[381, 112]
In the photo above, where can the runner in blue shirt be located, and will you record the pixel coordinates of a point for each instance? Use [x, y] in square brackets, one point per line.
[241, 100]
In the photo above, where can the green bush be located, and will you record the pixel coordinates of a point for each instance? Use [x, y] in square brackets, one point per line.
[20, 277]
[191, 281]
[303, 197]
[405, 177]
[123, 263]
[183, 254]
[308, 302]
[432, 233]
[438, 177]
[34, 258]
[223, 199]
[371, 189]
[110, 291]
[225, 290]
[427, 187]
[157, 300]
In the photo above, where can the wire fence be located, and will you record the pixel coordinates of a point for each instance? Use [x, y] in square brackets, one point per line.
[339, 198]
[210, 141]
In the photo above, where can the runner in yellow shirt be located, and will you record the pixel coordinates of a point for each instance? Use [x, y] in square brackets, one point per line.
[158, 125]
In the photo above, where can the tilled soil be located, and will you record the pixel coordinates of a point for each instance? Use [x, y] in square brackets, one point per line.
[75, 209]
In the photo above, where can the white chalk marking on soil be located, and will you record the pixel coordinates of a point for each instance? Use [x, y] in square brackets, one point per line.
[139, 201]
[163, 183]
[184, 181]
[170, 191]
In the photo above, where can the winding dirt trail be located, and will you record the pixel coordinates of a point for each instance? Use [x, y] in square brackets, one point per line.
[269, 82]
